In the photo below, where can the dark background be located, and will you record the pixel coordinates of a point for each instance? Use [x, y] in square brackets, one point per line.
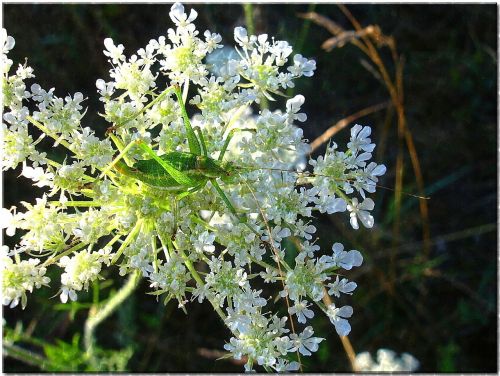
[442, 307]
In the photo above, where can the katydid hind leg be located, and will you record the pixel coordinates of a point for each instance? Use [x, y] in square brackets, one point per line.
[232, 209]
[202, 141]
[228, 140]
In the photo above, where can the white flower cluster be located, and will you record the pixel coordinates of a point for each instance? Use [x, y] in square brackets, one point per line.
[19, 277]
[188, 244]
[387, 361]
[80, 270]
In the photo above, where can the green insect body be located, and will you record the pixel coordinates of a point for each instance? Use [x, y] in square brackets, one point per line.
[182, 173]
[198, 168]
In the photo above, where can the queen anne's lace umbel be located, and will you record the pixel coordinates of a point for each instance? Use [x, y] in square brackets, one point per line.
[144, 230]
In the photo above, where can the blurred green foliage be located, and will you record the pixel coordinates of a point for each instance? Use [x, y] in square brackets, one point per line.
[442, 310]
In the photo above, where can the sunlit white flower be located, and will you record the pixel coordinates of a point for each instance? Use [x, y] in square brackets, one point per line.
[341, 286]
[338, 317]
[38, 175]
[293, 107]
[79, 271]
[114, 52]
[302, 66]
[360, 211]
[8, 221]
[305, 342]
[204, 243]
[6, 41]
[19, 277]
[179, 17]
[343, 259]
[360, 139]
[301, 310]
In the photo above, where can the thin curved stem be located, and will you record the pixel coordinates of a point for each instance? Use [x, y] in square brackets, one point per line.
[98, 315]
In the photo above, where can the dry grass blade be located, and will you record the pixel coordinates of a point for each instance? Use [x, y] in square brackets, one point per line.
[331, 26]
[341, 124]
[320, 20]
[344, 37]
[369, 39]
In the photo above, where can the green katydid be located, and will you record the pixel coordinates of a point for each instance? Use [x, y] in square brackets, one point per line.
[181, 173]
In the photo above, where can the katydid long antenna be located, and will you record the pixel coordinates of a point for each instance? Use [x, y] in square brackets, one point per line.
[312, 174]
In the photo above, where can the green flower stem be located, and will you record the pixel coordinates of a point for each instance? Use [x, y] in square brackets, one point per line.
[263, 263]
[343, 195]
[120, 146]
[117, 141]
[162, 95]
[234, 118]
[58, 165]
[185, 91]
[197, 278]
[98, 315]
[44, 129]
[130, 237]
[113, 241]
[53, 163]
[163, 244]
[64, 143]
[202, 222]
[69, 251]
[155, 253]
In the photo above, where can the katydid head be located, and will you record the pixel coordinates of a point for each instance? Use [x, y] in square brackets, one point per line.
[230, 172]
[211, 168]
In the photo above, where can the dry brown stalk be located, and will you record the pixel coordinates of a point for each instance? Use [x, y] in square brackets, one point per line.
[339, 125]
[369, 39]
[346, 343]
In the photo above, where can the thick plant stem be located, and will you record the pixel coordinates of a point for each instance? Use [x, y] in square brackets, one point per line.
[98, 315]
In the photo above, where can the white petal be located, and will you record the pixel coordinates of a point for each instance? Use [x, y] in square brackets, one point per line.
[355, 130]
[354, 222]
[339, 205]
[64, 296]
[342, 327]
[240, 33]
[379, 170]
[367, 204]
[10, 231]
[192, 16]
[366, 219]
[365, 132]
[5, 218]
[337, 247]
[349, 287]
[356, 257]
[345, 311]
[108, 43]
